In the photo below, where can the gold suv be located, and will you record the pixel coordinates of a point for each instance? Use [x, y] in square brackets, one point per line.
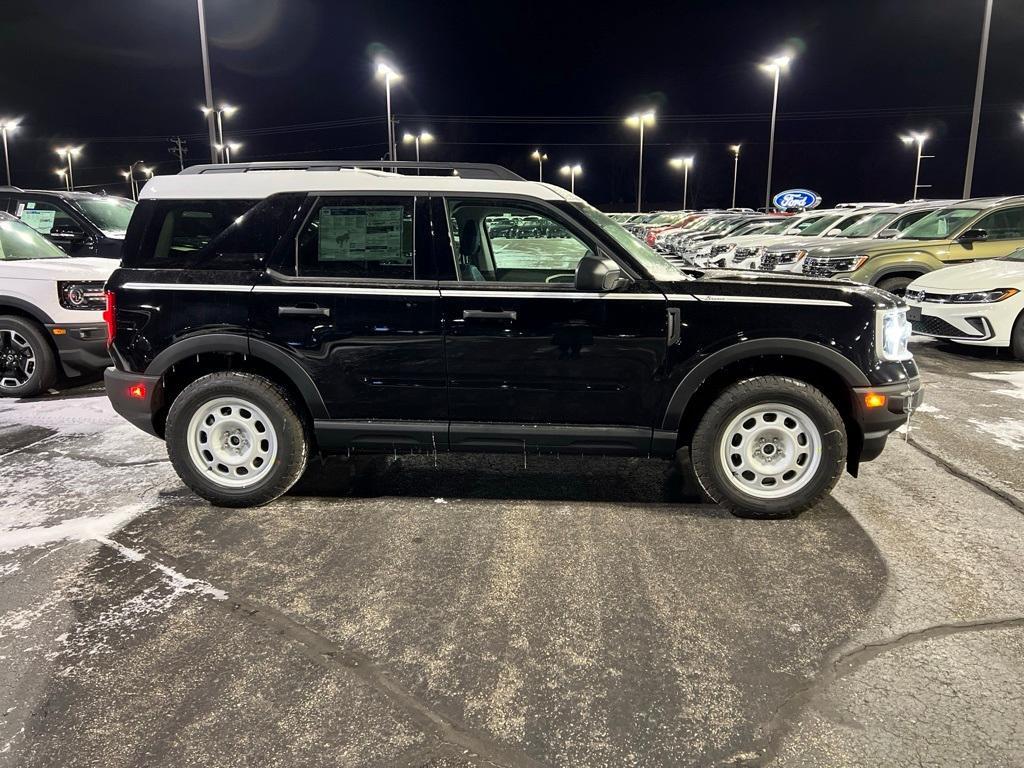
[980, 228]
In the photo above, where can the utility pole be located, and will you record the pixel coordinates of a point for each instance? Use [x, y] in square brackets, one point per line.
[978, 88]
[179, 150]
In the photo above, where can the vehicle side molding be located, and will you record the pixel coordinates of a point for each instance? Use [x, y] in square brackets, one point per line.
[243, 345]
[808, 350]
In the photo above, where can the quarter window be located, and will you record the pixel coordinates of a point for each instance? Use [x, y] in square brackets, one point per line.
[508, 243]
[181, 231]
[360, 238]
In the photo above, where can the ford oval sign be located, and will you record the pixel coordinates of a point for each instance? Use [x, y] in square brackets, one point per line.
[796, 198]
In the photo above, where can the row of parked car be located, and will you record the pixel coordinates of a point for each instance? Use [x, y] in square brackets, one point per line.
[959, 264]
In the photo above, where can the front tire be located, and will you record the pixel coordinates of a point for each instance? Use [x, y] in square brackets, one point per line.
[895, 285]
[237, 439]
[28, 365]
[769, 447]
[1017, 338]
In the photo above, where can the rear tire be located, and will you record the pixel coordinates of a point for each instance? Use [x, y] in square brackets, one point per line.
[28, 365]
[769, 447]
[895, 285]
[237, 439]
[1017, 338]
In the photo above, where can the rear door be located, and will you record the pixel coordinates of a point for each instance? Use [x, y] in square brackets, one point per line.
[354, 299]
[532, 362]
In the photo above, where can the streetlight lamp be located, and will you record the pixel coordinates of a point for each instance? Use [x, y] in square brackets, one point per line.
[540, 157]
[919, 139]
[423, 137]
[63, 173]
[638, 120]
[735, 149]
[228, 148]
[66, 153]
[686, 163]
[390, 75]
[225, 110]
[5, 127]
[773, 67]
[572, 171]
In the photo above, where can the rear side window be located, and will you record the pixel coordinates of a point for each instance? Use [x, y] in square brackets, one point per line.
[358, 238]
[208, 234]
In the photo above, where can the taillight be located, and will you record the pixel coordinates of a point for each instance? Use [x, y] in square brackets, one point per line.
[108, 317]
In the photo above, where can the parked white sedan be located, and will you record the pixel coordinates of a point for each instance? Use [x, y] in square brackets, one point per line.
[981, 303]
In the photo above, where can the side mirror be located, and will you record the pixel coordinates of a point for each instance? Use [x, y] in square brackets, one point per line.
[596, 273]
[973, 236]
[833, 233]
[888, 234]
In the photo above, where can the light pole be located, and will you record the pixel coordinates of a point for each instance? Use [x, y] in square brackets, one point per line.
[978, 88]
[774, 67]
[390, 75]
[686, 163]
[572, 171]
[423, 137]
[638, 121]
[540, 157]
[919, 139]
[130, 178]
[225, 110]
[735, 149]
[63, 173]
[228, 148]
[66, 153]
[5, 127]
[207, 81]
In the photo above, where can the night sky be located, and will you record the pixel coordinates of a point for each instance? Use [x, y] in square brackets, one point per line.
[494, 80]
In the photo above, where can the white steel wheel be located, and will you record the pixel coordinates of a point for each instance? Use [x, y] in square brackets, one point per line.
[231, 442]
[17, 359]
[770, 450]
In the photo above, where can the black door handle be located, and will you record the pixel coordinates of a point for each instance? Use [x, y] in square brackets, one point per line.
[483, 314]
[305, 309]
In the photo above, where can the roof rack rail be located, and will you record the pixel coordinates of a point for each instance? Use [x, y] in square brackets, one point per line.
[10, 188]
[465, 170]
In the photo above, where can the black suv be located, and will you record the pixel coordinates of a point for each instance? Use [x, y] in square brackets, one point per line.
[79, 223]
[267, 312]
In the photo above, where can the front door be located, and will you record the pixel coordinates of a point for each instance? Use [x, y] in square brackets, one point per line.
[58, 223]
[355, 303]
[532, 362]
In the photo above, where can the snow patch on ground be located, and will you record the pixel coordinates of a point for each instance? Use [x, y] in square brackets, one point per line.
[82, 416]
[79, 529]
[926, 408]
[1015, 378]
[1007, 432]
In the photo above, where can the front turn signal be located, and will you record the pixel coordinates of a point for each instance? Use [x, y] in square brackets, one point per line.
[874, 400]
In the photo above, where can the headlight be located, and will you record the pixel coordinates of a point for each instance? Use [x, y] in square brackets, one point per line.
[982, 297]
[81, 295]
[892, 333]
[791, 257]
[845, 264]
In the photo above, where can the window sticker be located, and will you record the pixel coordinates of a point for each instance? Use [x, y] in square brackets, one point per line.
[40, 221]
[355, 233]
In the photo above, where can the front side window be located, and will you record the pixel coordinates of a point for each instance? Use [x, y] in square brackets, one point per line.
[44, 217]
[1007, 224]
[359, 238]
[511, 243]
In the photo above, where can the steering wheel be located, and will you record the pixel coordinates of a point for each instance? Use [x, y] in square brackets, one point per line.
[561, 278]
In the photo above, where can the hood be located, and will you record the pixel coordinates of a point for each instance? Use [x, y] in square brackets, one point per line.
[979, 276]
[838, 247]
[790, 243]
[59, 269]
[745, 240]
[780, 285]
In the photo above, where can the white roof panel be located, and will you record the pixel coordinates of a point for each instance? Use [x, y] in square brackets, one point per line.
[257, 184]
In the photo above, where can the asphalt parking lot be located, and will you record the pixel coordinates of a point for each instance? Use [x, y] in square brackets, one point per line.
[456, 611]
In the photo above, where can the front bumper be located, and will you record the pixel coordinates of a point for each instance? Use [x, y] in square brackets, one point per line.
[136, 397]
[981, 324]
[876, 424]
[82, 347]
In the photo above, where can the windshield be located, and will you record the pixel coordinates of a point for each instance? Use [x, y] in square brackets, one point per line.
[655, 265]
[781, 226]
[1017, 255]
[19, 242]
[665, 218]
[110, 214]
[870, 225]
[821, 225]
[940, 224]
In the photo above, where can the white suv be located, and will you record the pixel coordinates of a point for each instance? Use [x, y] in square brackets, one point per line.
[51, 311]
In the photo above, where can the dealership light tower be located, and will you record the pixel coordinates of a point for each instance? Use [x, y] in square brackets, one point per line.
[774, 67]
[639, 120]
[919, 139]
